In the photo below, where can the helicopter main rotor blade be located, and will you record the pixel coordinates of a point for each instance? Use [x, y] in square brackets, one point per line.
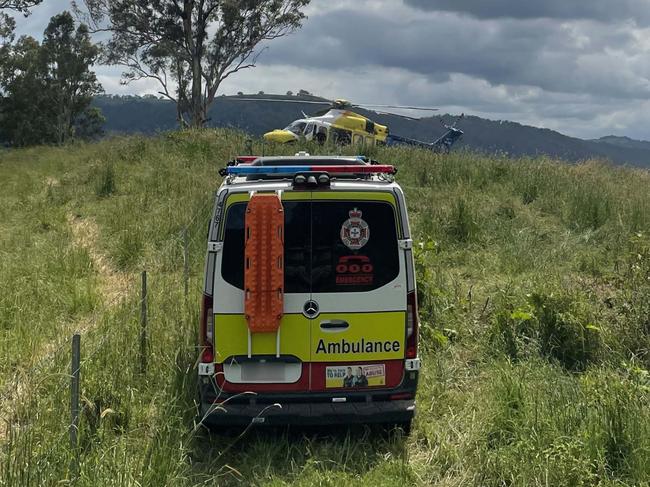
[402, 107]
[279, 100]
[397, 115]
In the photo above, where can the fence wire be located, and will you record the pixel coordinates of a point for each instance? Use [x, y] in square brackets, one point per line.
[34, 377]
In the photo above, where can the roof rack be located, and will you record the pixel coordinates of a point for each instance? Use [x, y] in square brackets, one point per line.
[291, 165]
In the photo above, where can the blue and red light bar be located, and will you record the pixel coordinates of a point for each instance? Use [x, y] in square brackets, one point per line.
[349, 169]
[246, 159]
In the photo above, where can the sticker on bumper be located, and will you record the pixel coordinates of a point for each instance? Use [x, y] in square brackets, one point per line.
[353, 376]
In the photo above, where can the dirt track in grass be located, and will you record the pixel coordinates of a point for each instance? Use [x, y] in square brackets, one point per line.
[113, 288]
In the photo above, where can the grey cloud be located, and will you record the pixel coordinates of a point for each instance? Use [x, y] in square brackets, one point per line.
[584, 57]
[602, 10]
[582, 67]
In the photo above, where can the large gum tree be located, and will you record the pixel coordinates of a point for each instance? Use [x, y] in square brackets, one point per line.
[189, 46]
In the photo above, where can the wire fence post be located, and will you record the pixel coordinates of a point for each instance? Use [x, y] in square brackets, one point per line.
[74, 403]
[143, 325]
[186, 262]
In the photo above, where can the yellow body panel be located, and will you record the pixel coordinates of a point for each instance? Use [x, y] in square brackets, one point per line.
[286, 196]
[280, 136]
[370, 336]
[322, 195]
[231, 337]
[354, 196]
[357, 124]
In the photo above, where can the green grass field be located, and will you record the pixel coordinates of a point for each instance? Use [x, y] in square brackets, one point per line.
[534, 288]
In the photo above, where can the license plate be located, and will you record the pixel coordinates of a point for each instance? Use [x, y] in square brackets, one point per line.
[355, 376]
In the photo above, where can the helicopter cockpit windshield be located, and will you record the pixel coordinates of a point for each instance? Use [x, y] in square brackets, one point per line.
[296, 127]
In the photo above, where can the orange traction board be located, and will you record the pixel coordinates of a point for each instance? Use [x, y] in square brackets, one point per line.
[264, 263]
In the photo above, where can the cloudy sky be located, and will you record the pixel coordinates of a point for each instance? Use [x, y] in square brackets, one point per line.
[578, 66]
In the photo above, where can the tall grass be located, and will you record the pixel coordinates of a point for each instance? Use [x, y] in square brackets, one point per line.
[533, 288]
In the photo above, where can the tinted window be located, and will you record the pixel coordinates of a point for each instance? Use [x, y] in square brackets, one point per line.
[296, 246]
[344, 246]
[354, 246]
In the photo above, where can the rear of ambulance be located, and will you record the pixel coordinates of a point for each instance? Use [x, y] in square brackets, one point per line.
[344, 348]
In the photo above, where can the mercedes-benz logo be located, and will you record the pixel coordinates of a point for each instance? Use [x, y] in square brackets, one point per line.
[310, 309]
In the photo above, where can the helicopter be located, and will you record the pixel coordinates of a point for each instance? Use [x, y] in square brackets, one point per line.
[339, 124]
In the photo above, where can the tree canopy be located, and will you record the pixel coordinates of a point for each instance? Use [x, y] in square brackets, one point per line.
[48, 87]
[190, 46]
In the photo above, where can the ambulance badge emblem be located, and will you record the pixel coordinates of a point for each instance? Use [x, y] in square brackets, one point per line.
[355, 232]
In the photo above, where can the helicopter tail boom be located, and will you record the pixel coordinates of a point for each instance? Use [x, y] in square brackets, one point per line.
[392, 139]
[442, 144]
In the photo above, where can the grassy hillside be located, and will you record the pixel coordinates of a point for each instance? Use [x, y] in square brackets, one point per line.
[534, 284]
[148, 115]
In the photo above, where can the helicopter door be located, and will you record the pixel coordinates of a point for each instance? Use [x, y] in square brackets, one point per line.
[310, 130]
[321, 134]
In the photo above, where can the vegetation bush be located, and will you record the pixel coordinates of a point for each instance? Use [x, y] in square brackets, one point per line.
[105, 185]
[556, 325]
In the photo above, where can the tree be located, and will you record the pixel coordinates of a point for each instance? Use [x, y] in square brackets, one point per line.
[69, 53]
[48, 88]
[190, 46]
[89, 124]
[7, 26]
[25, 114]
[289, 93]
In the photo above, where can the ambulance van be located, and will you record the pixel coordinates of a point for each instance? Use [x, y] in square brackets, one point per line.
[309, 311]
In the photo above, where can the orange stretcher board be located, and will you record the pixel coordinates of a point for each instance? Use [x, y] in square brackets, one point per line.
[264, 263]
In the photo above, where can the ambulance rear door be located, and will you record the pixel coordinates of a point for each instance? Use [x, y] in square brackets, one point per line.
[358, 292]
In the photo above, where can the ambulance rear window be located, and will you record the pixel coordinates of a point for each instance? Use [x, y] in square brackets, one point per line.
[330, 246]
[354, 246]
[296, 246]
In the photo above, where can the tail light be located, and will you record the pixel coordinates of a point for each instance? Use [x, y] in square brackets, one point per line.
[400, 397]
[411, 325]
[206, 330]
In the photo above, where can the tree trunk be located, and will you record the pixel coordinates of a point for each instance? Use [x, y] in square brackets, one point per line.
[197, 105]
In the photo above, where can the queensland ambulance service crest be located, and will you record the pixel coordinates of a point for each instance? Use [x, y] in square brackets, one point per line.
[355, 232]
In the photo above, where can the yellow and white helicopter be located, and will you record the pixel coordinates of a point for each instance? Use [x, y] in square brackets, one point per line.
[338, 124]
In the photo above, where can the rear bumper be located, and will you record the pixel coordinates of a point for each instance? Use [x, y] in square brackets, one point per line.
[398, 411]
[308, 408]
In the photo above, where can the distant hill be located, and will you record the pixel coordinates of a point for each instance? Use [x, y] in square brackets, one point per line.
[148, 114]
[624, 142]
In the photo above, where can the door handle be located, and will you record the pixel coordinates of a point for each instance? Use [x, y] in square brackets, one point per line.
[334, 325]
